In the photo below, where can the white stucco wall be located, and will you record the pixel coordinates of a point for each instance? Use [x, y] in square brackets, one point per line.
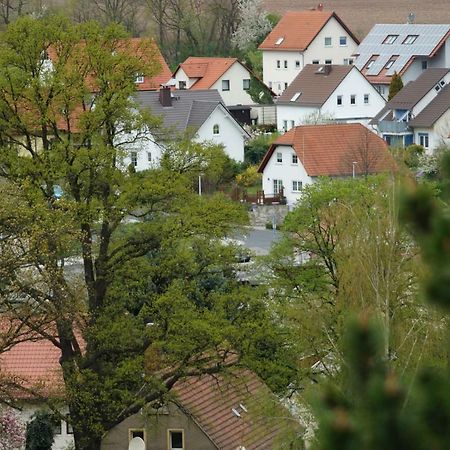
[276, 78]
[62, 441]
[236, 95]
[285, 171]
[335, 52]
[437, 135]
[181, 76]
[354, 83]
[231, 136]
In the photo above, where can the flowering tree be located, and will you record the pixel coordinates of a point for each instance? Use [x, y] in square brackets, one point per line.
[253, 24]
[12, 431]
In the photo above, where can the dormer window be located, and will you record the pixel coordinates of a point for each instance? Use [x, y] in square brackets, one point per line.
[410, 39]
[139, 79]
[279, 41]
[390, 39]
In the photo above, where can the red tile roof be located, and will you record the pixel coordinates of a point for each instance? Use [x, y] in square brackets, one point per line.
[298, 29]
[208, 399]
[209, 70]
[211, 401]
[330, 150]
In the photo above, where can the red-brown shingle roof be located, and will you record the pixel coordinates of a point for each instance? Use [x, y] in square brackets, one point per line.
[208, 70]
[297, 29]
[330, 150]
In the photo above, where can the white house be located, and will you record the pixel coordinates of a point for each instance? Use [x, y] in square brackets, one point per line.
[227, 75]
[338, 92]
[419, 113]
[407, 49]
[200, 112]
[301, 38]
[304, 153]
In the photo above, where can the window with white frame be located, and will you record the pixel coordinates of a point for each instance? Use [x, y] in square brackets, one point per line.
[139, 79]
[246, 84]
[182, 85]
[175, 439]
[285, 125]
[285, 64]
[339, 100]
[292, 123]
[328, 61]
[134, 158]
[216, 128]
[348, 61]
[343, 41]
[366, 99]
[278, 64]
[327, 41]
[285, 85]
[279, 157]
[277, 186]
[297, 185]
[149, 156]
[424, 140]
[294, 158]
[225, 85]
[297, 64]
[353, 99]
[316, 61]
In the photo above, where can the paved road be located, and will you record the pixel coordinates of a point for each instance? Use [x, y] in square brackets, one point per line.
[258, 240]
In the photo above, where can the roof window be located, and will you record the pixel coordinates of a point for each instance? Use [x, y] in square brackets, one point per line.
[279, 41]
[389, 64]
[370, 64]
[390, 39]
[410, 39]
[295, 96]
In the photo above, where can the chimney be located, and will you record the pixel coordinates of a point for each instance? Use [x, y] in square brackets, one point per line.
[320, 7]
[165, 96]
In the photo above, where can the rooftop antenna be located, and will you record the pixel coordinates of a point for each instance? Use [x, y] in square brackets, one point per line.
[411, 17]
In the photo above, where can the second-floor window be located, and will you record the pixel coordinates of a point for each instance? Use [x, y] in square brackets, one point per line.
[297, 185]
[339, 100]
[328, 41]
[294, 158]
[343, 41]
[139, 79]
[353, 99]
[285, 64]
[280, 155]
[366, 99]
[133, 156]
[225, 85]
[246, 84]
[216, 129]
[424, 140]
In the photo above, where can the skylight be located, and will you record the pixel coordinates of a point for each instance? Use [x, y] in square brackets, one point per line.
[410, 39]
[370, 64]
[295, 96]
[279, 41]
[390, 39]
[389, 64]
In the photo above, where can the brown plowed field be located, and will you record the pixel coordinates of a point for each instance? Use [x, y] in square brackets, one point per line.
[361, 15]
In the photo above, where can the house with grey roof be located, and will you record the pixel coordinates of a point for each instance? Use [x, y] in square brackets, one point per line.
[407, 49]
[419, 113]
[200, 114]
[337, 92]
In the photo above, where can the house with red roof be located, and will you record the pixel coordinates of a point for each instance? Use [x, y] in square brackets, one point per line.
[220, 412]
[228, 75]
[305, 153]
[304, 37]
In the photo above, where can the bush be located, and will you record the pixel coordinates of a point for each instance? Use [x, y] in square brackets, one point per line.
[40, 431]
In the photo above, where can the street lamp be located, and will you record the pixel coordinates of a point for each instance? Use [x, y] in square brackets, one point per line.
[353, 168]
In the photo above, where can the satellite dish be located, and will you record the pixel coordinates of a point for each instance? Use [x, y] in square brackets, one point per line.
[136, 444]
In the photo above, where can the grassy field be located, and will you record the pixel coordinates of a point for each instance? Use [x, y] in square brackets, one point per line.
[361, 15]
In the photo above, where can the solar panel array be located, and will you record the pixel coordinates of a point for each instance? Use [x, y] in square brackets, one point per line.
[428, 37]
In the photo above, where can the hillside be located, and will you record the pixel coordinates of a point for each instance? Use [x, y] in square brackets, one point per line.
[361, 15]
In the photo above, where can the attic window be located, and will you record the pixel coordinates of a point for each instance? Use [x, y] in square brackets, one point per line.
[410, 39]
[139, 79]
[279, 41]
[389, 64]
[370, 64]
[295, 96]
[390, 39]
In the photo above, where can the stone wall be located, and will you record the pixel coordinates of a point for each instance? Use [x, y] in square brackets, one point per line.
[260, 215]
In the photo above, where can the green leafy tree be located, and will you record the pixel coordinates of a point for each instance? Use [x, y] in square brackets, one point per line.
[132, 305]
[39, 434]
[395, 86]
